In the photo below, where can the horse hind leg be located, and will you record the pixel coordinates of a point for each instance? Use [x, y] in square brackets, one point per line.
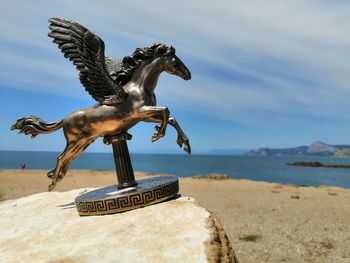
[56, 175]
[61, 159]
[51, 174]
[69, 161]
[64, 161]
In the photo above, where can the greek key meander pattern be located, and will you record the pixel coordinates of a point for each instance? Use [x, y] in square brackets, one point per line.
[130, 201]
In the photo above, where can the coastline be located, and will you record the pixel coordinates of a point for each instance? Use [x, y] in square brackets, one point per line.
[290, 223]
[268, 169]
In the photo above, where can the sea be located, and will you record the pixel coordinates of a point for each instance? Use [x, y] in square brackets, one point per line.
[267, 169]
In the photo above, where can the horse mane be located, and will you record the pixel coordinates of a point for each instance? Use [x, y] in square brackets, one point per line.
[130, 63]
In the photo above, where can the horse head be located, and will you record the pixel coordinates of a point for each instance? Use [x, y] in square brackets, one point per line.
[171, 63]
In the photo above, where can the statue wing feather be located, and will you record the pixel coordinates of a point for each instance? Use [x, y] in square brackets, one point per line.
[86, 51]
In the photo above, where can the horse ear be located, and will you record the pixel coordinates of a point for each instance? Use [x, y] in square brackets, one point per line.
[161, 49]
[170, 51]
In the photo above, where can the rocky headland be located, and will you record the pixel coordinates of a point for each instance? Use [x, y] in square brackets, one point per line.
[316, 148]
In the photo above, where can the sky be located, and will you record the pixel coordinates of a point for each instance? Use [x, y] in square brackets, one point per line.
[264, 73]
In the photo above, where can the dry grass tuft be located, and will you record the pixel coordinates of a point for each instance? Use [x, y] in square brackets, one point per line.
[250, 238]
[2, 196]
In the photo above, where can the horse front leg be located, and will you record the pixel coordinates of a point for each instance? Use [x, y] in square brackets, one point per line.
[182, 139]
[155, 114]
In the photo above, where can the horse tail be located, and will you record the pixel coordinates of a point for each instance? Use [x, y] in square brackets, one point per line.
[34, 125]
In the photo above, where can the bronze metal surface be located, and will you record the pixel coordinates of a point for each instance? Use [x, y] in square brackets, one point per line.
[124, 90]
[110, 199]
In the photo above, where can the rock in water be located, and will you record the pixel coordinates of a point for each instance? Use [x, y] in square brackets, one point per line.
[46, 227]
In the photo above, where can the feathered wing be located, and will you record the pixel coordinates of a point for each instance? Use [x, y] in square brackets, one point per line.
[113, 66]
[86, 51]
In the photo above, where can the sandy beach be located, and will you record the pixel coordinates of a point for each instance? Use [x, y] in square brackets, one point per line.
[265, 222]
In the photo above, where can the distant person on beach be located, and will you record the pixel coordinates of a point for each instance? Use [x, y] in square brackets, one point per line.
[23, 166]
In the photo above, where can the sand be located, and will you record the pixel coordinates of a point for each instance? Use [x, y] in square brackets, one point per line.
[265, 222]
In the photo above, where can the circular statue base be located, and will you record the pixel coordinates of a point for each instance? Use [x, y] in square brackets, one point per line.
[110, 199]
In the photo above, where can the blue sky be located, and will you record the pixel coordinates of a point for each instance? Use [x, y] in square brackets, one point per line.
[264, 73]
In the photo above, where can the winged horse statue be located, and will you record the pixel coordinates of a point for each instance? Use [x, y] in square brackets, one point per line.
[124, 90]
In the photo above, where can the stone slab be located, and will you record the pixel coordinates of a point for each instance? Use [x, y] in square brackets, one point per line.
[46, 227]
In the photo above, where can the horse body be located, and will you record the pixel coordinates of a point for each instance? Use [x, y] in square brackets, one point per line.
[104, 120]
[82, 127]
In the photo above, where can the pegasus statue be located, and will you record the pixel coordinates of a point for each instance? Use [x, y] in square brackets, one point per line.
[124, 91]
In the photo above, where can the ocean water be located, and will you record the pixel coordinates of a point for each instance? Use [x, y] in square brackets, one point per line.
[268, 169]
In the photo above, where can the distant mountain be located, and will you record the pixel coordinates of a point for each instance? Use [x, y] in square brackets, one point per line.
[320, 148]
[317, 148]
[227, 152]
[296, 151]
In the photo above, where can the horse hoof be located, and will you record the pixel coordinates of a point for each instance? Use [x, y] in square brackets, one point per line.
[179, 142]
[51, 174]
[51, 187]
[107, 140]
[156, 137]
[187, 149]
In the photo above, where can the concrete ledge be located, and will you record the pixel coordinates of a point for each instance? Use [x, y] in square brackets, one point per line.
[46, 227]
